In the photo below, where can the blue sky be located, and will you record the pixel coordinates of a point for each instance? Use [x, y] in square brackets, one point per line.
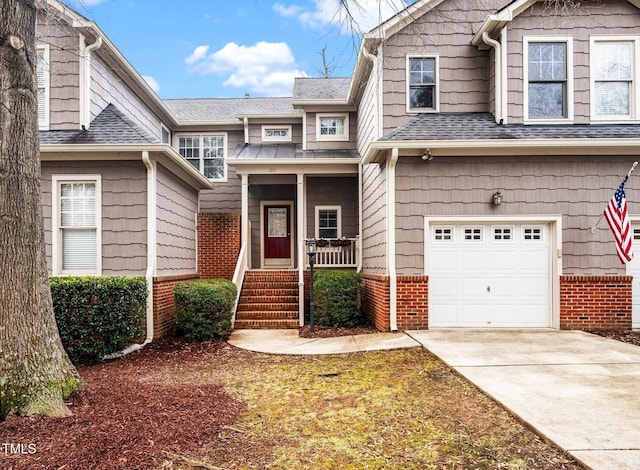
[216, 48]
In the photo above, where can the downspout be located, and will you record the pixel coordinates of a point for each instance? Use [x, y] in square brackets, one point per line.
[497, 75]
[391, 240]
[151, 256]
[85, 83]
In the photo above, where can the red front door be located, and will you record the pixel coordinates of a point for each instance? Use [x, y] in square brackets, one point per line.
[277, 234]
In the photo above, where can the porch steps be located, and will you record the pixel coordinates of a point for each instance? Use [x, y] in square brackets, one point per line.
[269, 299]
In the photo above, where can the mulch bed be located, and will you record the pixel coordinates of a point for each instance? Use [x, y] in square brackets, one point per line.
[626, 336]
[328, 332]
[119, 421]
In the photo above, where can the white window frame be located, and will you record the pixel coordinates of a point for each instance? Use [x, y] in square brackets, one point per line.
[569, 118]
[201, 136]
[164, 129]
[338, 210]
[436, 89]
[336, 137]
[266, 138]
[44, 121]
[634, 91]
[56, 230]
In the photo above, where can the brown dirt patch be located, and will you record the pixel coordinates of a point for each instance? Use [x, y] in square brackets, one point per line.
[321, 331]
[626, 336]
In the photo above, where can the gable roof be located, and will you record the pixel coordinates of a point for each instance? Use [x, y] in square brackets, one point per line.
[330, 90]
[111, 126]
[229, 110]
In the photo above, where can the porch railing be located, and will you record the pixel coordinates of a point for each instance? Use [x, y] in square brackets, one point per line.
[337, 253]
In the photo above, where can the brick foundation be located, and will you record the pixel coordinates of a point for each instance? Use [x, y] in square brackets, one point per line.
[375, 300]
[218, 244]
[413, 302]
[595, 302]
[164, 310]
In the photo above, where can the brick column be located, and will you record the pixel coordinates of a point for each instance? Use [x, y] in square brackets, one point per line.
[218, 244]
[595, 302]
[164, 309]
[413, 302]
[375, 300]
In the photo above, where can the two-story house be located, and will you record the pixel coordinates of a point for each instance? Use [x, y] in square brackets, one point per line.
[460, 170]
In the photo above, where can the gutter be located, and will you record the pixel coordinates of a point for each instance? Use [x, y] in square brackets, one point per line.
[151, 257]
[391, 240]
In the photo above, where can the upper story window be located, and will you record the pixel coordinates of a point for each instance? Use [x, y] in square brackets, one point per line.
[42, 74]
[76, 224]
[207, 153]
[548, 95]
[165, 135]
[276, 133]
[613, 78]
[328, 222]
[332, 126]
[422, 84]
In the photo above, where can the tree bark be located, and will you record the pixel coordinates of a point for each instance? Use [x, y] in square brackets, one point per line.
[35, 372]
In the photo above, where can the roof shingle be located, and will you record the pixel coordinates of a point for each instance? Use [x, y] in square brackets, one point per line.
[225, 109]
[321, 89]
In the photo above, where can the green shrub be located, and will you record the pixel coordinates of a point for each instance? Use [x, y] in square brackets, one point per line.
[337, 298]
[97, 316]
[204, 308]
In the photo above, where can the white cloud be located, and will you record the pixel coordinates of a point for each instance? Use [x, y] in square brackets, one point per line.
[366, 14]
[265, 68]
[152, 82]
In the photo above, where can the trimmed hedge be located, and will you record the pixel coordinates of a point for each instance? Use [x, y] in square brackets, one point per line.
[204, 308]
[337, 298]
[97, 316]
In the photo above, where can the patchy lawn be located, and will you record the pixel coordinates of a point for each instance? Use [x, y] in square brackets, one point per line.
[178, 406]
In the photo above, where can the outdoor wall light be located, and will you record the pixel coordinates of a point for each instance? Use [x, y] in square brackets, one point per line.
[426, 156]
[496, 198]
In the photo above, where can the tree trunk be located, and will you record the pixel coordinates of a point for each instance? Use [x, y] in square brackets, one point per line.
[35, 372]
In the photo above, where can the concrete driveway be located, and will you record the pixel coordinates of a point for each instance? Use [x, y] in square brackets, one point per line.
[579, 390]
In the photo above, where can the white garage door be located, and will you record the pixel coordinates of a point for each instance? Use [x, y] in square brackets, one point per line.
[633, 269]
[484, 275]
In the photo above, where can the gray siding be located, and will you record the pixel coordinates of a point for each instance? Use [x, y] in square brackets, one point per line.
[606, 18]
[64, 45]
[108, 88]
[225, 197]
[313, 144]
[177, 206]
[367, 112]
[124, 212]
[577, 188]
[463, 73]
[374, 219]
[333, 191]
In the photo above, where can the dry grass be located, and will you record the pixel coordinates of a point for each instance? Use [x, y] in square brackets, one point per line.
[398, 409]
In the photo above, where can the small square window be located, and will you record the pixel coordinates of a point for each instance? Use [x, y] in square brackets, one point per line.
[332, 127]
[472, 234]
[503, 234]
[636, 233]
[328, 223]
[530, 233]
[443, 234]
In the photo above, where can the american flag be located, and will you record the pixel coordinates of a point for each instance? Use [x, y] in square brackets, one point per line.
[618, 220]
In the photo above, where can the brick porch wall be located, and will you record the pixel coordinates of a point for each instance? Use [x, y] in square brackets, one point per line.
[595, 302]
[413, 302]
[375, 300]
[164, 310]
[218, 244]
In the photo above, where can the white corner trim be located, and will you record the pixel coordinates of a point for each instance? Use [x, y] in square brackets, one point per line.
[152, 237]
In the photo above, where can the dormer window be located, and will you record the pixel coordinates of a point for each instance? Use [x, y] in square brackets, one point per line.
[548, 94]
[422, 84]
[276, 133]
[332, 126]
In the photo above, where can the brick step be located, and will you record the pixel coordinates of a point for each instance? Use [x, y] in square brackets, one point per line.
[271, 275]
[255, 307]
[286, 287]
[267, 298]
[266, 324]
[267, 315]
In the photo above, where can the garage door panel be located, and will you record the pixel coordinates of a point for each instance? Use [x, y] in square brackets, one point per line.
[499, 279]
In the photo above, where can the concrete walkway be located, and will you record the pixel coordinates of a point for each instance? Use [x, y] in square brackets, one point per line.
[578, 390]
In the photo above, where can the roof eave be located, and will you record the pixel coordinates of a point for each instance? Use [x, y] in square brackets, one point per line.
[271, 116]
[375, 153]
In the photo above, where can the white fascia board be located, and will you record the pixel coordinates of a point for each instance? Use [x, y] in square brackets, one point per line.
[297, 116]
[277, 167]
[320, 103]
[168, 156]
[182, 125]
[508, 147]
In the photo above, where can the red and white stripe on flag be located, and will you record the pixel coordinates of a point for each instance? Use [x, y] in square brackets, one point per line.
[618, 220]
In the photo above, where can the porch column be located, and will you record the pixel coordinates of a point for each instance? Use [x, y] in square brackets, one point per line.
[244, 220]
[300, 235]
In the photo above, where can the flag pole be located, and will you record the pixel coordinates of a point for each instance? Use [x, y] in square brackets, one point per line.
[593, 229]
